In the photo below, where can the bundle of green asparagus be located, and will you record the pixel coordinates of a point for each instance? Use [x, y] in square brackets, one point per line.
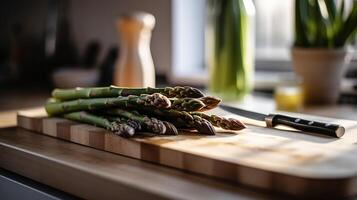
[127, 111]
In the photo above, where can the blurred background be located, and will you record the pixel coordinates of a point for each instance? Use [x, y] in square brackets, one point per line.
[40, 40]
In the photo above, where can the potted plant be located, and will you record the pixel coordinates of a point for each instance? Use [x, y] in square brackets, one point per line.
[320, 55]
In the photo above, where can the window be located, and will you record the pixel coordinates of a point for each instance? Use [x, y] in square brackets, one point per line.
[274, 37]
[188, 60]
[274, 33]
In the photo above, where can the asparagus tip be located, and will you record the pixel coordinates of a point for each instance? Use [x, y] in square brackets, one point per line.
[187, 104]
[237, 124]
[203, 126]
[193, 92]
[183, 91]
[155, 125]
[210, 102]
[123, 129]
[158, 100]
[170, 128]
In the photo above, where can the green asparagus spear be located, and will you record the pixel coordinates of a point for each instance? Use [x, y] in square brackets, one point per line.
[210, 102]
[155, 100]
[181, 92]
[186, 104]
[170, 128]
[113, 91]
[225, 123]
[122, 129]
[166, 113]
[182, 119]
[193, 104]
[153, 124]
[203, 126]
[136, 125]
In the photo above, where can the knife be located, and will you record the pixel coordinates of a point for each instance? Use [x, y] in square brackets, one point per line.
[272, 120]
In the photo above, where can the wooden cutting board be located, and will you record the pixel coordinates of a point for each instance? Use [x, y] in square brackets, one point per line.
[278, 160]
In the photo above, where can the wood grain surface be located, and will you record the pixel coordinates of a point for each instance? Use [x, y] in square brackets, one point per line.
[278, 160]
[94, 174]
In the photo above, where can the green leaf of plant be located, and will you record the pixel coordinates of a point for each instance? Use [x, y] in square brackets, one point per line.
[331, 9]
[319, 23]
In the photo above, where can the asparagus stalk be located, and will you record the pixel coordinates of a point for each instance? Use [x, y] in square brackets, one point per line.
[203, 126]
[210, 102]
[152, 124]
[186, 104]
[182, 119]
[156, 100]
[193, 104]
[136, 125]
[118, 128]
[225, 123]
[170, 128]
[167, 113]
[113, 91]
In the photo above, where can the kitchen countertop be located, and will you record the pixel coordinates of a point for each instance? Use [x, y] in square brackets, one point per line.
[90, 173]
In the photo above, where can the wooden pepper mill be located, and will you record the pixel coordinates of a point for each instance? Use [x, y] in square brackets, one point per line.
[135, 67]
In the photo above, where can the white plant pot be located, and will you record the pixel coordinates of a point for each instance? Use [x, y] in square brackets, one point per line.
[321, 71]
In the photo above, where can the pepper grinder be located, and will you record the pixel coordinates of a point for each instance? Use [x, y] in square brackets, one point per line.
[135, 67]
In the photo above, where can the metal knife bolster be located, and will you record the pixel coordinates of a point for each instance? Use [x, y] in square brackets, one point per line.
[332, 130]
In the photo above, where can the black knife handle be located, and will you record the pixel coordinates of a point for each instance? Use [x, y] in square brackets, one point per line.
[327, 129]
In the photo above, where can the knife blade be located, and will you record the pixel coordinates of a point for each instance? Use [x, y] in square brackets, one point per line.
[272, 120]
